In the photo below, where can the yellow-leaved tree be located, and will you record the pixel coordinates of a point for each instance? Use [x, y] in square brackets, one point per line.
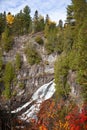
[9, 18]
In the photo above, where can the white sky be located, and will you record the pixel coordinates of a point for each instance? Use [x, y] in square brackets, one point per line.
[55, 8]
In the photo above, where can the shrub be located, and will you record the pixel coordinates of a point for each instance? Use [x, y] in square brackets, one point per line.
[14, 93]
[39, 40]
[51, 41]
[49, 47]
[32, 55]
[21, 85]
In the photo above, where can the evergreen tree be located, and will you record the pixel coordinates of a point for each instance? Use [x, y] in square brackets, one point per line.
[6, 40]
[8, 78]
[22, 22]
[75, 49]
[41, 23]
[68, 38]
[79, 52]
[47, 19]
[33, 56]
[36, 16]
[9, 73]
[1, 61]
[18, 25]
[2, 22]
[61, 72]
[46, 30]
[27, 18]
[70, 15]
[59, 44]
[60, 25]
[80, 9]
[38, 23]
[51, 42]
[18, 61]
[82, 58]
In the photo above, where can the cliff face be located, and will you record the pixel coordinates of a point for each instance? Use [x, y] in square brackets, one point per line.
[32, 77]
[37, 80]
[75, 92]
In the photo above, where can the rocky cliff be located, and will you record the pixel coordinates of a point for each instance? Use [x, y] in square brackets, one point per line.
[32, 77]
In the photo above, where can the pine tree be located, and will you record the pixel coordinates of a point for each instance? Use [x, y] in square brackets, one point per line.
[36, 21]
[6, 40]
[82, 58]
[36, 16]
[22, 22]
[61, 72]
[8, 78]
[60, 24]
[80, 41]
[79, 9]
[18, 25]
[27, 18]
[2, 22]
[70, 15]
[47, 19]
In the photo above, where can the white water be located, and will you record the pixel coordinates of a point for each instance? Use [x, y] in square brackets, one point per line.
[43, 93]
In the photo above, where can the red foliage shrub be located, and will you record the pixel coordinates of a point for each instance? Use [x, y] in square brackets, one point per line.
[78, 120]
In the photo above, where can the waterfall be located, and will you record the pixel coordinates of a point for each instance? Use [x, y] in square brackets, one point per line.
[43, 93]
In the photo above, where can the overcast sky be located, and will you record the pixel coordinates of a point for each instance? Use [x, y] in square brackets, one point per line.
[55, 8]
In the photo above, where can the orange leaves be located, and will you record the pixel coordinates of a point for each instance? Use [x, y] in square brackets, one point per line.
[66, 125]
[42, 127]
[61, 125]
[49, 117]
[10, 18]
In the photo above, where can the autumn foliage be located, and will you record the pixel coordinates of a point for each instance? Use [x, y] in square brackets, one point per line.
[50, 115]
[78, 120]
[10, 18]
[56, 115]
